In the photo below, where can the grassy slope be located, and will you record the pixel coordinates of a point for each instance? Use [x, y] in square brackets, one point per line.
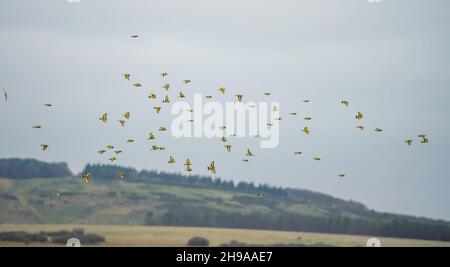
[178, 236]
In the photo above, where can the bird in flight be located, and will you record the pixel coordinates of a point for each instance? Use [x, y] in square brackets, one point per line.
[134, 36]
[44, 147]
[222, 90]
[5, 94]
[341, 175]
[152, 136]
[118, 151]
[166, 100]
[260, 195]
[152, 96]
[122, 122]
[86, 177]
[186, 81]
[307, 118]
[293, 113]
[306, 101]
[164, 74]
[104, 117]
[181, 95]
[137, 85]
[208, 97]
[102, 151]
[112, 159]
[344, 102]
[359, 116]
[228, 147]
[37, 126]
[360, 127]
[109, 147]
[126, 76]
[166, 86]
[171, 160]
[157, 109]
[306, 130]
[48, 105]
[249, 153]
[267, 93]
[239, 98]
[245, 160]
[317, 158]
[121, 175]
[409, 141]
[212, 167]
[127, 115]
[130, 140]
[297, 153]
[378, 130]
[162, 129]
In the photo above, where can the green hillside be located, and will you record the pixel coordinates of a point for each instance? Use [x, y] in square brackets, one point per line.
[167, 199]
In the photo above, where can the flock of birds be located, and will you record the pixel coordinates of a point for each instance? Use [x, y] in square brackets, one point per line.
[188, 165]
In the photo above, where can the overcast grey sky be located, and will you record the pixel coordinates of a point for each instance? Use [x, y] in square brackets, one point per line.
[390, 60]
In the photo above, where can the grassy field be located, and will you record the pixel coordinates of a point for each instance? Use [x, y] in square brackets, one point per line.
[151, 236]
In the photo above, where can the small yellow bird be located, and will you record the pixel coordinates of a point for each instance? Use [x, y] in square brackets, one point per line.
[239, 98]
[307, 118]
[344, 102]
[341, 175]
[222, 90]
[249, 153]
[228, 147]
[424, 140]
[86, 177]
[161, 148]
[306, 130]
[102, 151]
[186, 81]
[134, 36]
[164, 74]
[171, 160]
[166, 100]
[208, 97]
[152, 136]
[360, 127]
[297, 153]
[137, 85]
[157, 109]
[293, 113]
[154, 148]
[306, 101]
[188, 168]
[120, 175]
[212, 167]
[44, 147]
[112, 159]
[162, 129]
[127, 115]
[118, 151]
[317, 158]
[409, 141]
[104, 117]
[267, 93]
[130, 140]
[152, 96]
[378, 130]
[122, 123]
[126, 76]
[359, 116]
[224, 139]
[37, 126]
[422, 135]
[181, 95]
[166, 86]
[109, 147]
[48, 105]
[188, 162]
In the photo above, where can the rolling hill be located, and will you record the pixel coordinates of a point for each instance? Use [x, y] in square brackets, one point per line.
[163, 199]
